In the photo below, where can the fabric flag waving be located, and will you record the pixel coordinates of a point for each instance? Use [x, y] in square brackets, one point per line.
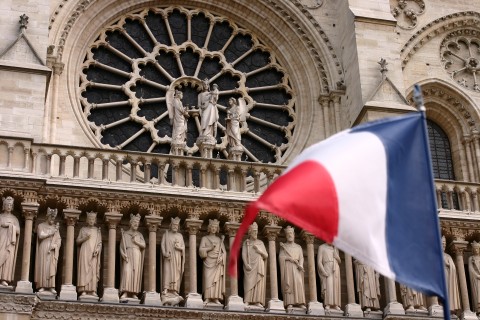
[369, 191]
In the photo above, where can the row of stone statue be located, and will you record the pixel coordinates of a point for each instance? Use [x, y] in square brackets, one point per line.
[213, 253]
[208, 110]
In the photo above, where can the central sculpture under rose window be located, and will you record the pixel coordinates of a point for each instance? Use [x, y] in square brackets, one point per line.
[186, 82]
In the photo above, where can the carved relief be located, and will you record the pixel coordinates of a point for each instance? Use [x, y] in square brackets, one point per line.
[407, 11]
[460, 56]
[312, 4]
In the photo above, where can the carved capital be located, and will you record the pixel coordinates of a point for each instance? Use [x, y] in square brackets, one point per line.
[193, 225]
[459, 234]
[71, 216]
[308, 237]
[458, 247]
[153, 222]
[271, 232]
[231, 228]
[30, 210]
[112, 219]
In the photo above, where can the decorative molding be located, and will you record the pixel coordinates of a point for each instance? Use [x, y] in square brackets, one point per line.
[22, 304]
[407, 11]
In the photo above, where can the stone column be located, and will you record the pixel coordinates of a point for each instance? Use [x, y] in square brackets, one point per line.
[234, 302]
[151, 296]
[352, 309]
[194, 299]
[274, 305]
[30, 211]
[110, 293]
[68, 290]
[434, 309]
[314, 307]
[459, 247]
[325, 101]
[393, 306]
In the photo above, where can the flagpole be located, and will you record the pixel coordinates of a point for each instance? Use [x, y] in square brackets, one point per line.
[418, 99]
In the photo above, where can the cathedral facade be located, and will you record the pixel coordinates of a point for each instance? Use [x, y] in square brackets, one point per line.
[134, 133]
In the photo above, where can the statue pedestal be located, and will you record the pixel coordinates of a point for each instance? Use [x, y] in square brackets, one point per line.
[178, 149]
[235, 153]
[68, 292]
[373, 314]
[7, 289]
[435, 310]
[353, 310]
[275, 306]
[296, 310]
[151, 298]
[333, 312]
[171, 299]
[110, 295]
[254, 308]
[235, 303]
[206, 146]
[46, 295]
[24, 287]
[315, 308]
[88, 298]
[393, 308]
[214, 306]
[468, 315]
[130, 300]
[194, 301]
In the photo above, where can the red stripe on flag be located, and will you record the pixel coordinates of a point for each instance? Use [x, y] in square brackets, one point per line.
[305, 196]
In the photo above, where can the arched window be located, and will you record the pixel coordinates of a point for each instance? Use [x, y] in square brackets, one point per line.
[441, 159]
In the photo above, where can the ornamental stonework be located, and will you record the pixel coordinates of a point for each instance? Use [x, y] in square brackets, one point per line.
[407, 11]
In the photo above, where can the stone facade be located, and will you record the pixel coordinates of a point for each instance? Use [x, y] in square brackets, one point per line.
[84, 128]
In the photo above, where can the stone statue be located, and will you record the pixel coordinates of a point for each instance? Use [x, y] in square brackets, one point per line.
[452, 279]
[368, 286]
[328, 264]
[290, 258]
[207, 101]
[474, 271]
[235, 115]
[132, 249]
[48, 248]
[412, 299]
[173, 252]
[254, 255]
[90, 242]
[212, 251]
[9, 234]
[178, 115]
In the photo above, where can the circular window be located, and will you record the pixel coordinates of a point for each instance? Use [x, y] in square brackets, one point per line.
[138, 64]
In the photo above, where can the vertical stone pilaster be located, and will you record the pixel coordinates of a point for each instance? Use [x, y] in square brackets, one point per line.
[393, 306]
[69, 291]
[459, 247]
[234, 302]
[314, 307]
[275, 305]
[151, 296]
[194, 299]
[352, 309]
[110, 293]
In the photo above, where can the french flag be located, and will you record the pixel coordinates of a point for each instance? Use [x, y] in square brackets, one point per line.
[369, 191]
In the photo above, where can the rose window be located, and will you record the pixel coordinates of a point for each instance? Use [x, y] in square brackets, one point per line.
[460, 54]
[137, 67]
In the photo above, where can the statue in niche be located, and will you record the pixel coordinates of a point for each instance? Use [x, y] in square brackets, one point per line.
[290, 258]
[48, 249]
[412, 299]
[178, 115]
[452, 280]
[213, 253]
[254, 256]
[9, 234]
[173, 252]
[207, 101]
[90, 242]
[368, 286]
[474, 272]
[132, 249]
[328, 264]
[235, 115]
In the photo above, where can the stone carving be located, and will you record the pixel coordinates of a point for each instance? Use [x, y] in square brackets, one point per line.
[178, 115]
[474, 272]
[461, 58]
[412, 299]
[132, 249]
[48, 248]
[368, 286]
[90, 242]
[254, 255]
[328, 264]
[173, 253]
[407, 11]
[452, 279]
[9, 234]
[235, 115]
[213, 253]
[292, 272]
[207, 102]
[23, 22]
[315, 4]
